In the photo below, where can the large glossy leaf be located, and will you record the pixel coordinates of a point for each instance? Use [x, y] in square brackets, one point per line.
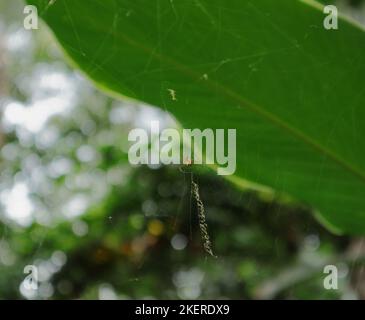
[293, 90]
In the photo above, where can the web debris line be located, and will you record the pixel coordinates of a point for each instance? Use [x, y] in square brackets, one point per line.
[202, 220]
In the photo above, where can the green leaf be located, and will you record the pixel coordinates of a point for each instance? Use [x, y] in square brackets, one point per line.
[293, 90]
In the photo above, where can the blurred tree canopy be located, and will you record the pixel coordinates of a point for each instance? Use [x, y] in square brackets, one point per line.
[98, 228]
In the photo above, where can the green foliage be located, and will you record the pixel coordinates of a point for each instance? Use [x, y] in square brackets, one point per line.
[128, 245]
[291, 88]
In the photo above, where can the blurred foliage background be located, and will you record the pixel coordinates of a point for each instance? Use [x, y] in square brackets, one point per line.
[98, 228]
